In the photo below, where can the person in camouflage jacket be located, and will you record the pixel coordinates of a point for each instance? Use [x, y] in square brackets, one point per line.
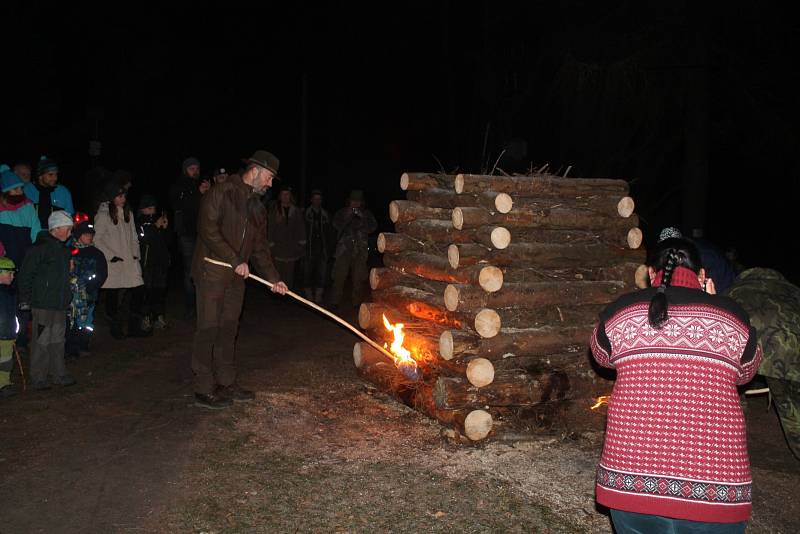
[774, 307]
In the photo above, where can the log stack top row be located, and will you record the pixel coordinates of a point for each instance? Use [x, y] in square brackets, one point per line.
[499, 280]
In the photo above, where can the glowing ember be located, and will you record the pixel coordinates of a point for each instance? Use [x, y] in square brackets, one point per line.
[601, 401]
[402, 356]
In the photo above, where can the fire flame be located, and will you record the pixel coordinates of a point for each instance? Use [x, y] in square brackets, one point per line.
[603, 399]
[402, 356]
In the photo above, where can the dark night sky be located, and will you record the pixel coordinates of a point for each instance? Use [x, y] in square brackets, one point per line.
[689, 103]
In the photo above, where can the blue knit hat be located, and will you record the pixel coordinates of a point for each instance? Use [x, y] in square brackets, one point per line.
[8, 179]
[46, 165]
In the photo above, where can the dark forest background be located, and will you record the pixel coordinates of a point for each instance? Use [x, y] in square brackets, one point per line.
[693, 103]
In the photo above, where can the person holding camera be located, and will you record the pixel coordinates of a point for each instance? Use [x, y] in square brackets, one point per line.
[155, 260]
[353, 223]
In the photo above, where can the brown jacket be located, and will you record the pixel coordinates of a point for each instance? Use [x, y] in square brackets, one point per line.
[226, 233]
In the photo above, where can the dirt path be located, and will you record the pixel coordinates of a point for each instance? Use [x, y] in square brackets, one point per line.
[318, 451]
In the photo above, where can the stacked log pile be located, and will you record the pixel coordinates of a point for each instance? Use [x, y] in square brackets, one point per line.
[499, 281]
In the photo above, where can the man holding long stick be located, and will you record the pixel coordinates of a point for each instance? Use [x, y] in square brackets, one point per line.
[232, 228]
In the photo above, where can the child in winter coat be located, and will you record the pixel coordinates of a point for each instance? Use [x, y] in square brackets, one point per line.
[44, 289]
[154, 259]
[8, 326]
[89, 272]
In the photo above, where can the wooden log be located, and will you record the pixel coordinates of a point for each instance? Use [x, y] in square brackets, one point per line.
[626, 272]
[391, 243]
[610, 206]
[507, 389]
[539, 185]
[493, 236]
[414, 181]
[446, 198]
[383, 278]
[623, 233]
[428, 232]
[433, 231]
[488, 277]
[642, 277]
[420, 305]
[543, 255]
[561, 217]
[488, 322]
[515, 342]
[480, 372]
[401, 211]
[373, 366]
[469, 298]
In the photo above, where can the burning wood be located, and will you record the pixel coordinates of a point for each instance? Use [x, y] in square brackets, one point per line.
[495, 283]
[601, 401]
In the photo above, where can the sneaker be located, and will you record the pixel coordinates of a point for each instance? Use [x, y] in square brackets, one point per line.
[7, 391]
[235, 393]
[160, 323]
[211, 402]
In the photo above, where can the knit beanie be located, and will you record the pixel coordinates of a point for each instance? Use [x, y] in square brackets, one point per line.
[148, 201]
[112, 190]
[7, 264]
[8, 179]
[83, 227]
[188, 162]
[46, 165]
[57, 219]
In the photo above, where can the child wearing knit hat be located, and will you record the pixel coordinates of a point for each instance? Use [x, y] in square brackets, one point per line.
[8, 327]
[44, 289]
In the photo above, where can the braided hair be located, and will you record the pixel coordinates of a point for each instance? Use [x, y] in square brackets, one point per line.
[669, 254]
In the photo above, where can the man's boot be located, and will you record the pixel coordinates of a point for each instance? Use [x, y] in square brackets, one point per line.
[318, 293]
[211, 402]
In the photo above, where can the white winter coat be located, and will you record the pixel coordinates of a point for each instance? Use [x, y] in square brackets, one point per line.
[118, 240]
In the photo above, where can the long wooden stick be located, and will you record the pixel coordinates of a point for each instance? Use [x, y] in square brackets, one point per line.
[313, 305]
[21, 369]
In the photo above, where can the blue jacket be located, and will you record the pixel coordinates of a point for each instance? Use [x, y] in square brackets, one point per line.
[60, 198]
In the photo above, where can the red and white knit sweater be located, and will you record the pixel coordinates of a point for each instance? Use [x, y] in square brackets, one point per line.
[676, 444]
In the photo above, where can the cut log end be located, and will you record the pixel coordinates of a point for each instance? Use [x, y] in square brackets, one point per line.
[458, 218]
[364, 316]
[446, 345]
[480, 372]
[625, 207]
[374, 280]
[451, 300]
[459, 183]
[381, 242]
[634, 238]
[404, 180]
[358, 357]
[477, 425]
[394, 211]
[503, 202]
[453, 256]
[501, 238]
[491, 279]
[642, 277]
[487, 323]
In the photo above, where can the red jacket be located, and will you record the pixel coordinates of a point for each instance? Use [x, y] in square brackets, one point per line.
[676, 443]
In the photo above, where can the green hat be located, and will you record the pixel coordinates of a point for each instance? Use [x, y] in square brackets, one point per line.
[7, 264]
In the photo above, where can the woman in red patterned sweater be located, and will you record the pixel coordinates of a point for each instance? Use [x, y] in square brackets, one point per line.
[675, 454]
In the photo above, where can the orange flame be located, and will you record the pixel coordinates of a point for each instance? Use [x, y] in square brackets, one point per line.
[402, 356]
[603, 399]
